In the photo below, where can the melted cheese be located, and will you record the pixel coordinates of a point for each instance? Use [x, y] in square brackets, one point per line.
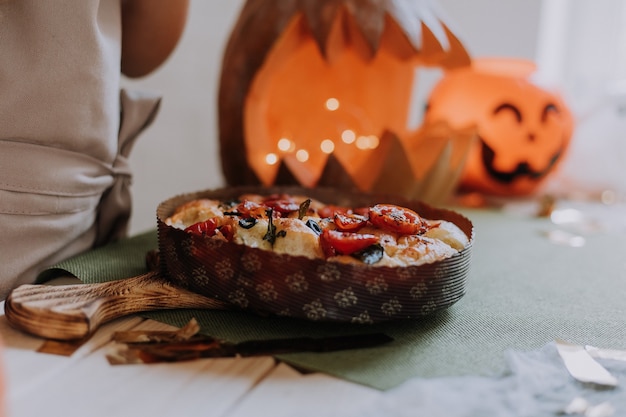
[193, 212]
[298, 240]
[449, 233]
[253, 236]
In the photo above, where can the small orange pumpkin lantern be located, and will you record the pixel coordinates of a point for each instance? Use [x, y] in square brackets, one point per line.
[319, 92]
[523, 129]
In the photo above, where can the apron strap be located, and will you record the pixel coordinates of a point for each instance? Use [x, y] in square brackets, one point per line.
[138, 111]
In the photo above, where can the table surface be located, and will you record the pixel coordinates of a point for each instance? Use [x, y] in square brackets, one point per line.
[85, 384]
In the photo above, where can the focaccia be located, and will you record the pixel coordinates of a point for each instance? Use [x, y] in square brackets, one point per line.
[379, 235]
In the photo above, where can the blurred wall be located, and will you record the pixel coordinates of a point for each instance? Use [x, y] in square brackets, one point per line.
[179, 152]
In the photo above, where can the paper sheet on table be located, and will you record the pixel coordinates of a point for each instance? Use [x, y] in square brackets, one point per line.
[582, 366]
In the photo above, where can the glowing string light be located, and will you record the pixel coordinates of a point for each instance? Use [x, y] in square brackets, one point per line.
[327, 146]
[373, 141]
[362, 142]
[348, 136]
[285, 145]
[302, 155]
[271, 159]
[332, 104]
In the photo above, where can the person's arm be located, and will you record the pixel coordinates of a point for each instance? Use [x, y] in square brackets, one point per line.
[150, 31]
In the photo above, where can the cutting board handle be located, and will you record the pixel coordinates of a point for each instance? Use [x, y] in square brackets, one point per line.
[67, 312]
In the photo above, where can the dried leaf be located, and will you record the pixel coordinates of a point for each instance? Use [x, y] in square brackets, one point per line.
[199, 346]
[61, 347]
[158, 336]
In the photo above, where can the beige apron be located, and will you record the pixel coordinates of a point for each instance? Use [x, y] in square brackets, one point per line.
[65, 133]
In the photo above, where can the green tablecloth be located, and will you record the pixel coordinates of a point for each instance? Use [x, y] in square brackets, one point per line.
[523, 292]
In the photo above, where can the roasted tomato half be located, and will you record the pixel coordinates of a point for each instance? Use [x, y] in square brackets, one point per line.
[397, 219]
[345, 243]
[349, 222]
[329, 211]
[212, 228]
[206, 228]
[282, 203]
[250, 210]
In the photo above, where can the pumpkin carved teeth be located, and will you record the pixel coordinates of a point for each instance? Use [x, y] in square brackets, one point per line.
[523, 168]
[370, 17]
[360, 55]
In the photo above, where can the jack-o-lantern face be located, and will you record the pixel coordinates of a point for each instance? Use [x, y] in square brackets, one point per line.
[523, 130]
[318, 92]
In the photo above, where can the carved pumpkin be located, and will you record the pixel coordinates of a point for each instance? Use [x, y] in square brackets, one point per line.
[318, 92]
[524, 130]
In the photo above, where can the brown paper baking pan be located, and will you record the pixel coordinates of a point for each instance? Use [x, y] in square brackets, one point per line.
[266, 283]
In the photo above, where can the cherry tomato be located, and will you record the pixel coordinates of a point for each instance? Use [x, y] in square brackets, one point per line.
[282, 205]
[205, 228]
[334, 242]
[228, 232]
[251, 210]
[349, 222]
[329, 211]
[397, 219]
